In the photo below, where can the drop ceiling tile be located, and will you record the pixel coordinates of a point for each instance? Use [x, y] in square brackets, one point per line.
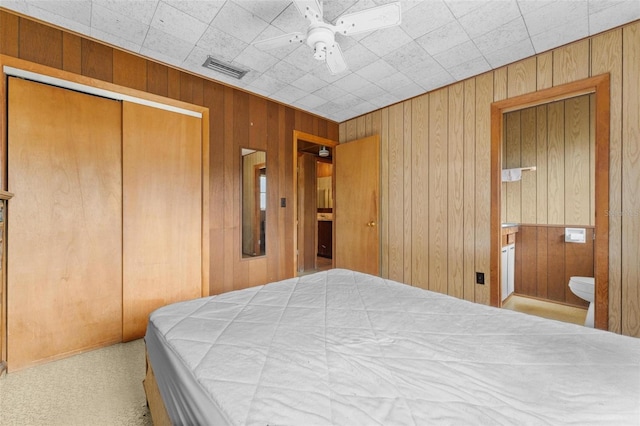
[332, 10]
[384, 100]
[470, 68]
[330, 92]
[426, 17]
[139, 10]
[370, 91]
[267, 85]
[377, 70]
[160, 56]
[179, 24]
[409, 91]
[528, 6]
[507, 55]
[432, 79]
[115, 40]
[255, 59]
[489, 16]
[20, 6]
[346, 42]
[392, 82]
[347, 101]
[460, 8]
[358, 56]
[78, 11]
[196, 58]
[407, 56]
[265, 10]
[444, 38]
[204, 11]
[560, 35]
[302, 58]
[59, 20]
[323, 73]
[121, 27]
[361, 108]
[309, 82]
[221, 45]
[420, 73]
[239, 22]
[311, 101]
[288, 94]
[351, 82]
[166, 45]
[457, 55]
[619, 13]
[386, 41]
[290, 21]
[557, 14]
[502, 37]
[328, 108]
[285, 72]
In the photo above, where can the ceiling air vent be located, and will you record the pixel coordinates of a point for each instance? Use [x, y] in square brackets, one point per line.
[217, 65]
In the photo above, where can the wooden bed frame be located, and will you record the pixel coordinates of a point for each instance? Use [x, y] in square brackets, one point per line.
[154, 399]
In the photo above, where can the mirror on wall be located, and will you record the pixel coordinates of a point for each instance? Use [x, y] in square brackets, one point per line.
[254, 202]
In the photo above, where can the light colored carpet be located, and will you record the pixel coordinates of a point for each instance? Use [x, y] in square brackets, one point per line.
[541, 308]
[100, 387]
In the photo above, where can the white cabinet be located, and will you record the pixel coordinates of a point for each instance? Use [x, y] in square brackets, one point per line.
[507, 260]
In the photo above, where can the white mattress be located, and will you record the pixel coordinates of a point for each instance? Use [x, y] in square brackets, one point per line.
[345, 348]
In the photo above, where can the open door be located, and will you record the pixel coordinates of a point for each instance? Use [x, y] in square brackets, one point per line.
[357, 205]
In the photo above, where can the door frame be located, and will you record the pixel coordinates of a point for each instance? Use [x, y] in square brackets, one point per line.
[316, 140]
[600, 87]
[257, 213]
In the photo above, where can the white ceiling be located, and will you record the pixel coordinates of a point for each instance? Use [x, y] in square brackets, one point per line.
[439, 42]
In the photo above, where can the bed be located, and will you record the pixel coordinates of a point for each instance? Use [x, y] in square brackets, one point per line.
[345, 348]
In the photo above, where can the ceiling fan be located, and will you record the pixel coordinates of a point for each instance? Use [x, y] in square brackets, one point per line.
[320, 35]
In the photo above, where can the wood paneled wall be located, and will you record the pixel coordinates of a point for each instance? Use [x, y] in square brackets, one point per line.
[559, 140]
[435, 150]
[545, 263]
[237, 119]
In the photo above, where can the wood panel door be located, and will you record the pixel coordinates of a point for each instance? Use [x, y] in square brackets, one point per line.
[65, 230]
[307, 212]
[162, 212]
[357, 204]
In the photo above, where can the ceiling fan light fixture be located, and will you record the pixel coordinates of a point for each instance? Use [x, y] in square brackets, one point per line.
[320, 35]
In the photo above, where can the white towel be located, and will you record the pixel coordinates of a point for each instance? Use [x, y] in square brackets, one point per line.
[511, 175]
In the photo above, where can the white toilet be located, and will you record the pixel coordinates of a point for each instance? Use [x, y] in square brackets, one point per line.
[584, 288]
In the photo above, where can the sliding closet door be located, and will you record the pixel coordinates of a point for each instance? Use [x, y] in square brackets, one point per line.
[64, 231]
[162, 212]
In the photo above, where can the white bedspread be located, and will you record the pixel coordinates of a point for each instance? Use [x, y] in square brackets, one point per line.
[345, 348]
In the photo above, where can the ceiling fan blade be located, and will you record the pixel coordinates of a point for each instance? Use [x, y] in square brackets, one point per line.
[371, 19]
[280, 41]
[310, 9]
[335, 60]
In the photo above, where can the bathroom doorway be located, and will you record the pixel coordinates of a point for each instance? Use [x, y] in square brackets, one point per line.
[314, 199]
[542, 185]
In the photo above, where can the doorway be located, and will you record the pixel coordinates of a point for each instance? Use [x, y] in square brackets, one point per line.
[598, 87]
[314, 234]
